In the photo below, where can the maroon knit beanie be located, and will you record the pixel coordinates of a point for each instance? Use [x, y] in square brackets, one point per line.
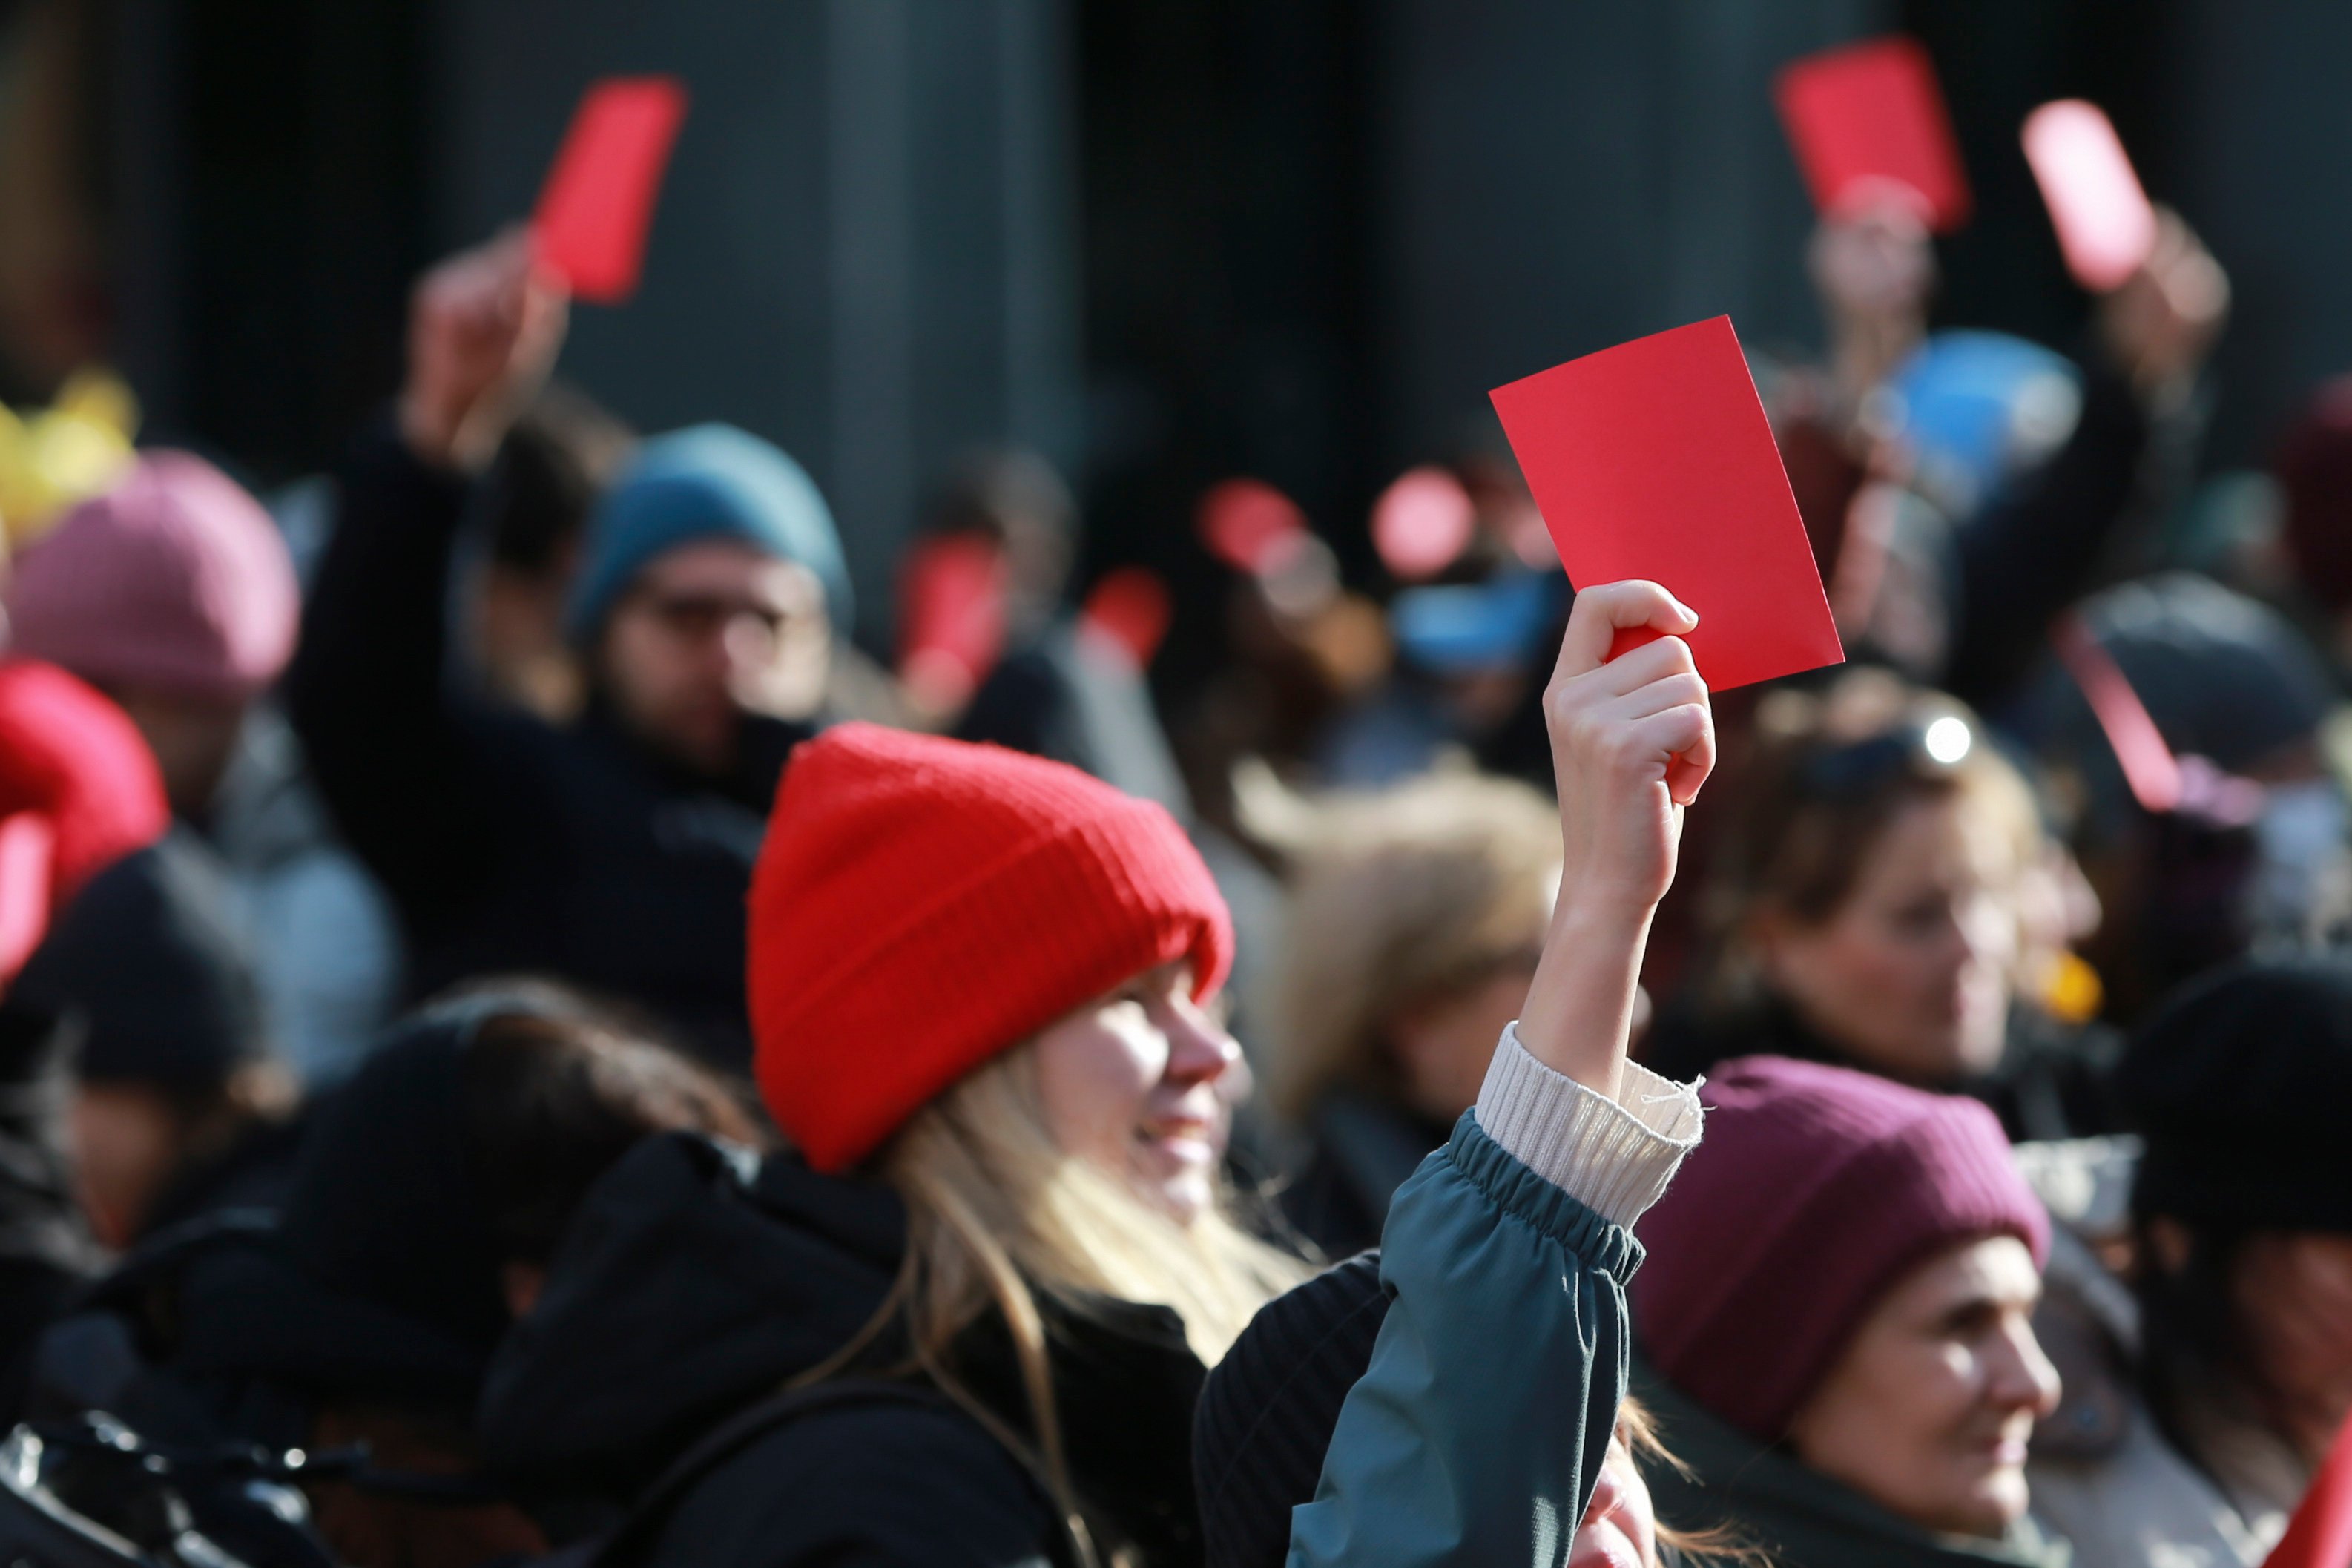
[174, 579]
[1816, 1190]
[921, 905]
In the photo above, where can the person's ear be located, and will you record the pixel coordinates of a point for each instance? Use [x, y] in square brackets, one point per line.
[2168, 1244]
[521, 1284]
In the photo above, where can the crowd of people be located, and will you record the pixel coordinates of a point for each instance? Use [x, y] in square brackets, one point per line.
[526, 1043]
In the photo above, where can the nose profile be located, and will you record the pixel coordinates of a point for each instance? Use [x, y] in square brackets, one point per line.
[2023, 1375]
[1200, 1050]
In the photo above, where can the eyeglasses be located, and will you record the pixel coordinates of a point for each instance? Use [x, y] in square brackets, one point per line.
[1929, 747]
[698, 618]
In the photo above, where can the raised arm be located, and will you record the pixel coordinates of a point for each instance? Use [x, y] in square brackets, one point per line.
[387, 741]
[2039, 549]
[1478, 1431]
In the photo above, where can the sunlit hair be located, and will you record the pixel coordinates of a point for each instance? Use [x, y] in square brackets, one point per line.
[1412, 895]
[1827, 776]
[1723, 1543]
[998, 1213]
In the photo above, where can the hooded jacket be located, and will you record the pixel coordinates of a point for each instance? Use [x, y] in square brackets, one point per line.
[697, 1282]
[508, 844]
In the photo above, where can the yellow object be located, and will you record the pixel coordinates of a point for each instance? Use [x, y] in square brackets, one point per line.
[2071, 990]
[66, 453]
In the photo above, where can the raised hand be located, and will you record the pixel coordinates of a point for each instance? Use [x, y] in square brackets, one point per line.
[484, 328]
[2163, 320]
[1632, 739]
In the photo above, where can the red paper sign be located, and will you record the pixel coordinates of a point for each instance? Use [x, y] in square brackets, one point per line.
[1131, 608]
[1868, 123]
[2320, 1534]
[951, 613]
[2104, 224]
[1250, 525]
[1653, 460]
[598, 203]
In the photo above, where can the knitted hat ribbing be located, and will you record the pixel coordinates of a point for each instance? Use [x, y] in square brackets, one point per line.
[921, 905]
[1817, 1188]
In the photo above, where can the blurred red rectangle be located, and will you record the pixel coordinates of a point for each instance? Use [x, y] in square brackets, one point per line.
[1868, 122]
[597, 206]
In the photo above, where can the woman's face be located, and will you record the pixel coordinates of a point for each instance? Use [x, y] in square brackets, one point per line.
[1910, 975]
[1928, 1410]
[1618, 1530]
[1131, 1084]
[1442, 1046]
[2293, 1292]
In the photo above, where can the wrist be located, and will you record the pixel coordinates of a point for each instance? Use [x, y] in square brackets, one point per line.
[430, 438]
[1580, 1008]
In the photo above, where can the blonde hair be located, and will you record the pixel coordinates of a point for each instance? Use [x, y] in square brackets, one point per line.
[1404, 896]
[998, 1213]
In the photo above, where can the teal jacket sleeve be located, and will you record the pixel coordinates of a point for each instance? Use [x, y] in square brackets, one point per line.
[1480, 1427]
[1477, 1433]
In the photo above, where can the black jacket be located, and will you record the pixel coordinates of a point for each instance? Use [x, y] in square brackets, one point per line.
[1362, 1149]
[697, 1282]
[2053, 1081]
[509, 843]
[46, 1251]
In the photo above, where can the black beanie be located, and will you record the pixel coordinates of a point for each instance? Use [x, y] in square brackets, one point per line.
[382, 1279]
[151, 960]
[1267, 1416]
[2238, 1084]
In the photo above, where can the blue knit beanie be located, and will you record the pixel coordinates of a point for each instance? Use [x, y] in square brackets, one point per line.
[711, 481]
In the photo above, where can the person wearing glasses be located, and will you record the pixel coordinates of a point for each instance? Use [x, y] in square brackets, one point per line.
[1885, 898]
[614, 848]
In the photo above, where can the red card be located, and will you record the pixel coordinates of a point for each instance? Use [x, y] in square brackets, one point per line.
[1868, 123]
[951, 613]
[2105, 225]
[1653, 460]
[598, 203]
[2320, 1534]
[1129, 608]
[1250, 525]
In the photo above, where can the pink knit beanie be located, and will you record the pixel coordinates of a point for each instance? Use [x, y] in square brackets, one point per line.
[1816, 1190]
[175, 579]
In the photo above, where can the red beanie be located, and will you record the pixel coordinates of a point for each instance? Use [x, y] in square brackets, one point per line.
[75, 769]
[71, 755]
[1816, 1190]
[921, 905]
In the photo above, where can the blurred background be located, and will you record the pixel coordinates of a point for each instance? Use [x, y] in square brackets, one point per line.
[1161, 241]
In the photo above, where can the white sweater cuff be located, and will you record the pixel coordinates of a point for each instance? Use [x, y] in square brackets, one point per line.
[1614, 1156]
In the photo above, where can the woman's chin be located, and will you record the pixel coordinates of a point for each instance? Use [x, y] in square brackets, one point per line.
[1603, 1545]
[1180, 1189]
